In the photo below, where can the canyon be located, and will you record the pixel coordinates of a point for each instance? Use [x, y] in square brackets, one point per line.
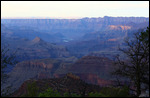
[51, 48]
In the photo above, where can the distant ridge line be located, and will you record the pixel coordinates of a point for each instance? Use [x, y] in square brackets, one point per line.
[68, 17]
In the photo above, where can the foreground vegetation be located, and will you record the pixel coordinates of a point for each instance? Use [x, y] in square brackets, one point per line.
[105, 92]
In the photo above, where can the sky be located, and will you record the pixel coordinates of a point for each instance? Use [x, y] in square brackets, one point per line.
[73, 9]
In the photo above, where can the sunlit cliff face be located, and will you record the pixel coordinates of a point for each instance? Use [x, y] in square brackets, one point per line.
[119, 27]
[112, 39]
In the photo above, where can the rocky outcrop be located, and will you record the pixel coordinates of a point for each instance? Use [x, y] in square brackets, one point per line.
[36, 69]
[92, 69]
[69, 83]
[92, 64]
[35, 49]
[89, 78]
[37, 40]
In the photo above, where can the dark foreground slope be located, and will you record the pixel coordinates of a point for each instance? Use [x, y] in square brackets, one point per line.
[69, 83]
[68, 86]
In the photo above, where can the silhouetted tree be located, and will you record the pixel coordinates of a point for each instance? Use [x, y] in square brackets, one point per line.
[83, 89]
[136, 68]
[6, 59]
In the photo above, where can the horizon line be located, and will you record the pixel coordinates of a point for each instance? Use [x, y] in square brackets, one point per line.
[63, 17]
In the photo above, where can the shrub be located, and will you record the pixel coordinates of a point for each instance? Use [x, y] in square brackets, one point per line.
[32, 90]
[115, 92]
[50, 93]
[96, 94]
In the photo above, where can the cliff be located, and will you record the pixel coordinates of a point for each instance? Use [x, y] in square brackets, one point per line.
[74, 28]
[89, 78]
[37, 69]
[92, 64]
[35, 49]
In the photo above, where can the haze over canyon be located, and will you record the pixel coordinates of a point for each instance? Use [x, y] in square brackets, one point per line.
[51, 48]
